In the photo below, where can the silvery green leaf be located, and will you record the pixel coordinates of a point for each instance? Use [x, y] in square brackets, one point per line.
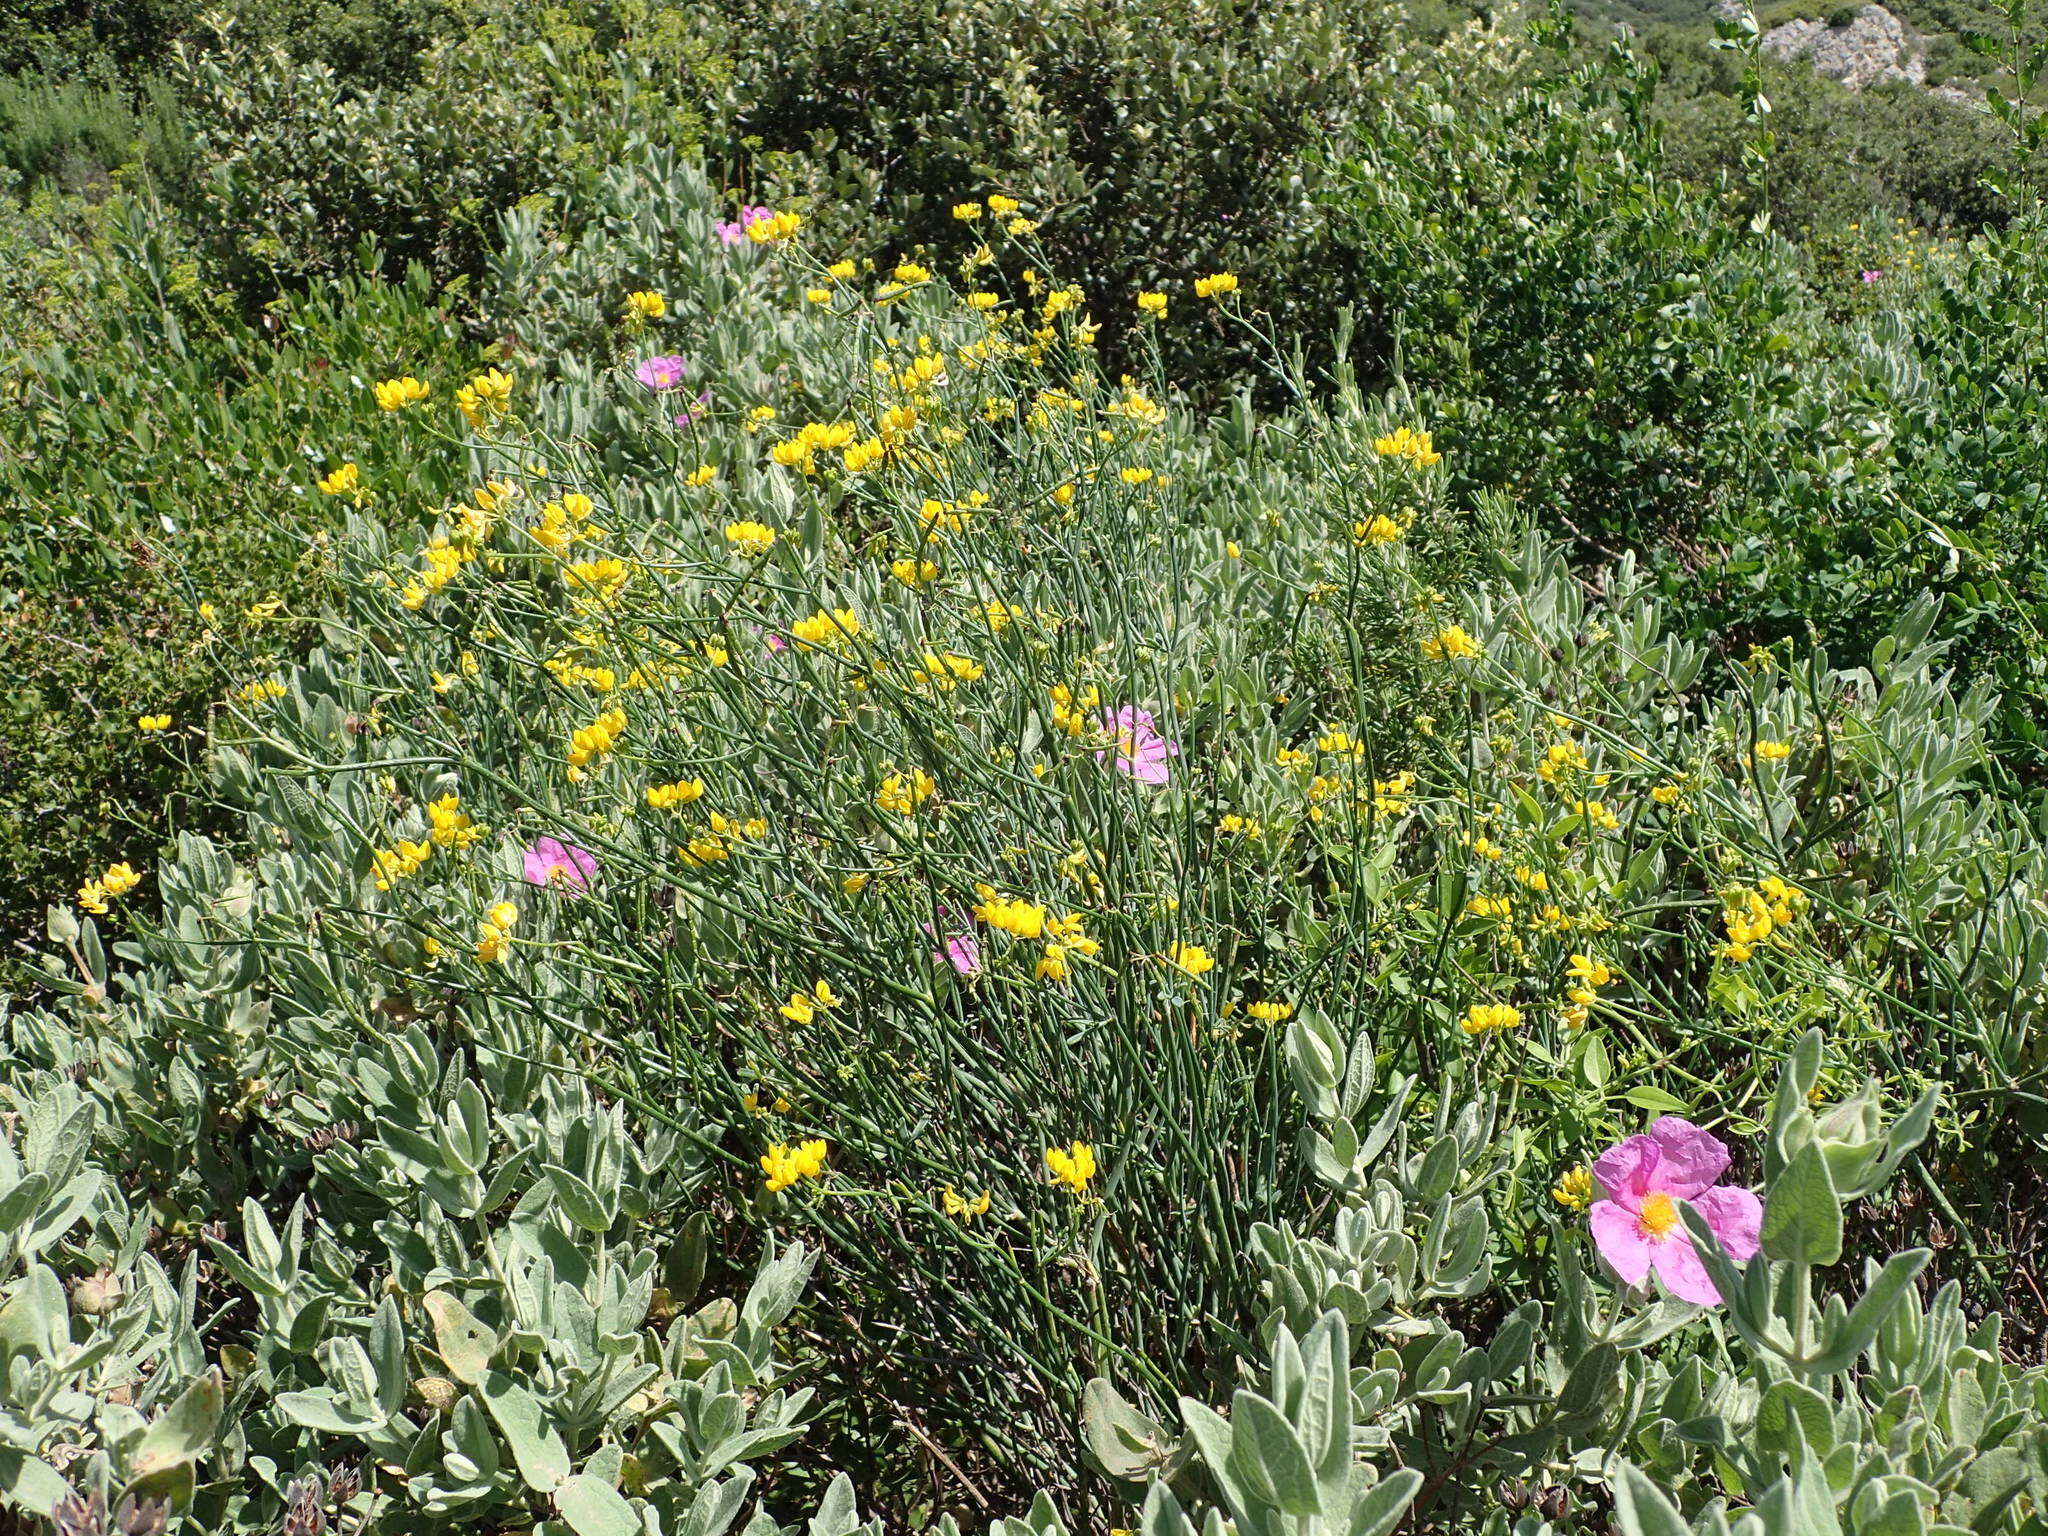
[579, 1202]
[464, 1344]
[1802, 1215]
[1641, 1509]
[1268, 1457]
[537, 1448]
[593, 1507]
[1381, 1509]
[1842, 1343]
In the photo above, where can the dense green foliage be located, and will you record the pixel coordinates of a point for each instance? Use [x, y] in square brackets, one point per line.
[850, 862]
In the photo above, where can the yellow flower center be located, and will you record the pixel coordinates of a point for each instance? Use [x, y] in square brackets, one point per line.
[1659, 1216]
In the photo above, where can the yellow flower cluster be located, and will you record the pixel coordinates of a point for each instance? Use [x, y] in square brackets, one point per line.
[1452, 644]
[450, 824]
[1573, 1189]
[718, 840]
[956, 1206]
[397, 394]
[645, 304]
[750, 538]
[1072, 1165]
[1410, 446]
[563, 522]
[345, 481]
[396, 863]
[1587, 976]
[112, 883]
[785, 1165]
[1754, 916]
[1490, 1018]
[903, 793]
[775, 229]
[1215, 285]
[1190, 959]
[487, 395]
[823, 628]
[589, 743]
[663, 797]
[801, 452]
[803, 1007]
[1380, 529]
[494, 933]
[596, 581]
[1073, 713]
[943, 672]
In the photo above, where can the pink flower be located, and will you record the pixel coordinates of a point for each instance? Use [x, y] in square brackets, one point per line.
[1141, 751]
[1637, 1228]
[962, 952]
[659, 373]
[563, 865]
[1873, 274]
[696, 409]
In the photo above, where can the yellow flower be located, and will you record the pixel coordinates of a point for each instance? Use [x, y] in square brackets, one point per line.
[645, 304]
[92, 897]
[1073, 1165]
[904, 793]
[1191, 958]
[1401, 443]
[818, 295]
[914, 573]
[397, 394]
[1490, 1018]
[943, 673]
[964, 1210]
[1134, 474]
[822, 628]
[703, 474]
[1452, 644]
[1001, 205]
[1379, 530]
[345, 481]
[1215, 285]
[967, 213]
[1269, 1012]
[750, 538]
[662, 797]
[1152, 305]
[774, 229]
[842, 271]
[148, 724]
[1772, 751]
[486, 395]
[1573, 1189]
[785, 1165]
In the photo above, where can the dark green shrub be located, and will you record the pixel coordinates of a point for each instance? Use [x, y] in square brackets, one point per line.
[157, 454]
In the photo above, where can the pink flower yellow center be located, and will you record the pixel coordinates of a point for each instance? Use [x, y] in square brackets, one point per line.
[1659, 1217]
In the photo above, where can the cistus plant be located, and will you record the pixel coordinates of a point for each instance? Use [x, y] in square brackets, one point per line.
[828, 792]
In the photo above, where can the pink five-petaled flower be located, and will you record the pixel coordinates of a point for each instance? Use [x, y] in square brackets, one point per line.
[1873, 274]
[551, 861]
[1141, 752]
[1637, 1227]
[659, 373]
